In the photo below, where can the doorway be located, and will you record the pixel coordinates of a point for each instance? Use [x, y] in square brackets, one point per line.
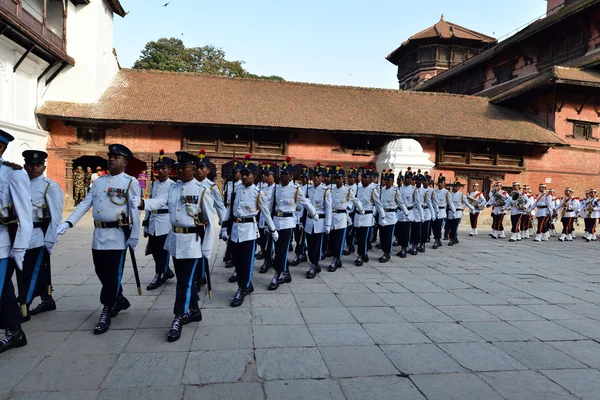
[484, 184]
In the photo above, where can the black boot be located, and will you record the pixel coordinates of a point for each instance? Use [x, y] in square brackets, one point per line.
[414, 251]
[167, 276]
[121, 304]
[229, 264]
[358, 262]
[14, 338]
[312, 271]
[194, 315]
[260, 255]
[402, 252]
[421, 248]
[156, 282]
[234, 277]
[238, 299]
[47, 304]
[274, 282]
[265, 267]
[451, 242]
[385, 258]
[365, 258]
[176, 328]
[285, 277]
[295, 261]
[435, 244]
[103, 322]
[334, 265]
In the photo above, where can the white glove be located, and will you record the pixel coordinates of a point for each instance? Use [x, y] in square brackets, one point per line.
[62, 228]
[132, 242]
[361, 212]
[411, 218]
[275, 235]
[135, 201]
[224, 235]
[49, 247]
[327, 230]
[19, 256]
[315, 217]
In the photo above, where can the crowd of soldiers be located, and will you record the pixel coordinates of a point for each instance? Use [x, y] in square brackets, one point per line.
[323, 210]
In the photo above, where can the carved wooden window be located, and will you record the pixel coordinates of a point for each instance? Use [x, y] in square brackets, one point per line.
[91, 135]
[504, 72]
[426, 54]
[583, 131]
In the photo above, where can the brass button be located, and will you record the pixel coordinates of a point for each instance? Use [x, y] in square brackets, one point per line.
[98, 211]
[177, 220]
[178, 209]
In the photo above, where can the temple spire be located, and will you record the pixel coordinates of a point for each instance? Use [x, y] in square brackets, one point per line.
[442, 18]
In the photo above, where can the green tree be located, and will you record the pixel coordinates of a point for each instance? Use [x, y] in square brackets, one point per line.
[172, 55]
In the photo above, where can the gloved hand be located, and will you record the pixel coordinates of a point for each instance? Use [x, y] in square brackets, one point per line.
[411, 218]
[145, 231]
[223, 235]
[275, 235]
[361, 212]
[315, 217]
[49, 247]
[132, 242]
[62, 228]
[327, 230]
[19, 256]
[135, 201]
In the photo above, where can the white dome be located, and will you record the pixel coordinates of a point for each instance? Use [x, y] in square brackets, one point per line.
[402, 153]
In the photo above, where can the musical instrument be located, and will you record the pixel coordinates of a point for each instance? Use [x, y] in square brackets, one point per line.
[519, 200]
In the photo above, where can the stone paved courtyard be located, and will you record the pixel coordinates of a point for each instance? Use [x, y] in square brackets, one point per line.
[486, 319]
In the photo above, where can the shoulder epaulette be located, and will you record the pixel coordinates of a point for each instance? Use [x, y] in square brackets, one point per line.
[14, 166]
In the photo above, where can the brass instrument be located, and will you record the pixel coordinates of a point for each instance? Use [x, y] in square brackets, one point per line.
[499, 199]
[591, 205]
[519, 200]
[472, 201]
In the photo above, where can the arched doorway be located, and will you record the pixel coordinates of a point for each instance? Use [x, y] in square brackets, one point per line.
[91, 162]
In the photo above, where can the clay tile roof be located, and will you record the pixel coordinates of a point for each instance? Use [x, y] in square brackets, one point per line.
[447, 30]
[185, 98]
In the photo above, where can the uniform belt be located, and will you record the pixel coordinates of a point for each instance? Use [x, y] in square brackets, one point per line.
[542, 206]
[192, 229]
[39, 224]
[160, 212]
[339, 211]
[391, 209]
[244, 220]
[321, 215]
[441, 207]
[284, 214]
[8, 221]
[111, 224]
[410, 208]
[568, 210]
[368, 211]
[459, 209]
[425, 207]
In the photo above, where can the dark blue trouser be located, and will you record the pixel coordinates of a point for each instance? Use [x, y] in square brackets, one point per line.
[109, 269]
[186, 296]
[281, 249]
[315, 247]
[10, 317]
[243, 260]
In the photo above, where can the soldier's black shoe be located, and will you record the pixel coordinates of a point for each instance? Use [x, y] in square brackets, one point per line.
[156, 282]
[358, 262]
[451, 242]
[103, 322]
[378, 245]
[234, 277]
[201, 281]
[260, 255]
[122, 304]
[402, 253]
[421, 248]
[414, 251]
[334, 265]
[167, 276]
[338, 263]
[435, 244]
[229, 264]
[194, 315]
[295, 261]
[303, 257]
[238, 299]
[176, 328]
[365, 258]
[13, 339]
[285, 277]
[265, 267]
[274, 282]
[313, 271]
[395, 243]
[346, 252]
[384, 258]
[45, 305]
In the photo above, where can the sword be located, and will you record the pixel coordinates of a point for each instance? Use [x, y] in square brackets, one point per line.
[208, 285]
[135, 271]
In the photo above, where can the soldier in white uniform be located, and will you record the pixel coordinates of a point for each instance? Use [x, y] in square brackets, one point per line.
[425, 197]
[545, 208]
[157, 225]
[441, 205]
[241, 219]
[320, 197]
[114, 200]
[16, 228]
[368, 194]
[409, 224]
[497, 200]
[592, 209]
[343, 200]
[231, 186]
[351, 231]
[286, 197]
[269, 171]
[299, 234]
[47, 204]
[516, 207]
[391, 201]
[526, 218]
[455, 215]
[568, 209]
[476, 209]
[191, 213]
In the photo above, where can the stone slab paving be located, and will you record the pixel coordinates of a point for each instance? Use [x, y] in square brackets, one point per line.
[485, 319]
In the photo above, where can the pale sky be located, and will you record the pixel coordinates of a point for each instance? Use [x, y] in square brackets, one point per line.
[328, 41]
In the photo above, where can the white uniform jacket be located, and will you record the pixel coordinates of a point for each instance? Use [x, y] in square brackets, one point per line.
[159, 224]
[266, 191]
[217, 198]
[391, 202]
[247, 203]
[412, 201]
[442, 203]
[286, 199]
[320, 198]
[369, 198]
[47, 203]
[343, 200]
[596, 208]
[544, 204]
[15, 203]
[300, 210]
[230, 187]
[496, 204]
[425, 195]
[569, 207]
[460, 202]
[190, 203]
[481, 201]
[109, 200]
[513, 206]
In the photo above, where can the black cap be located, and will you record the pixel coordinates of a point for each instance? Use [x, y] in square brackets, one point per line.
[268, 167]
[409, 174]
[120, 150]
[457, 183]
[35, 156]
[5, 137]
[303, 170]
[367, 172]
[353, 172]
[441, 179]
[337, 171]
[387, 174]
[286, 167]
[248, 166]
[203, 161]
[183, 158]
[165, 162]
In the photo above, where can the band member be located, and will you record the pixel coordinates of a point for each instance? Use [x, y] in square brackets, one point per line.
[497, 201]
[568, 209]
[430, 188]
[266, 192]
[545, 208]
[351, 231]
[248, 201]
[552, 220]
[424, 194]
[517, 205]
[455, 215]
[441, 204]
[299, 234]
[114, 199]
[286, 196]
[47, 204]
[391, 201]
[320, 197]
[368, 194]
[235, 181]
[526, 216]
[592, 210]
[157, 225]
[16, 228]
[191, 213]
[409, 223]
[479, 204]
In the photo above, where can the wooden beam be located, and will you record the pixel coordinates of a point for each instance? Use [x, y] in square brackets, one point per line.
[559, 109]
[23, 57]
[583, 104]
[55, 74]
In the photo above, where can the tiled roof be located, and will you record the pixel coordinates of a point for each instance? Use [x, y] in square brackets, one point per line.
[185, 98]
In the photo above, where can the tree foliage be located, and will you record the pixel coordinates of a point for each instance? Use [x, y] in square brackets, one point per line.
[172, 55]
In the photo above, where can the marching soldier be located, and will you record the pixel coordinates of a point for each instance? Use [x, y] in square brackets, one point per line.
[591, 208]
[230, 187]
[424, 194]
[320, 197]
[114, 199]
[16, 229]
[545, 208]
[286, 196]
[555, 204]
[455, 216]
[351, 231]
[157, 224]
[326, 180]
[479, 205]
[409, 224]
[526, 218]
[368, 194]
[391, 201]
[267, 190]
[299, 234]
[516, 203]
[568, 208]
[191, 215]
[47, 205]
[247, 203]
[430, 189]
[441, 204]
[497, 201]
